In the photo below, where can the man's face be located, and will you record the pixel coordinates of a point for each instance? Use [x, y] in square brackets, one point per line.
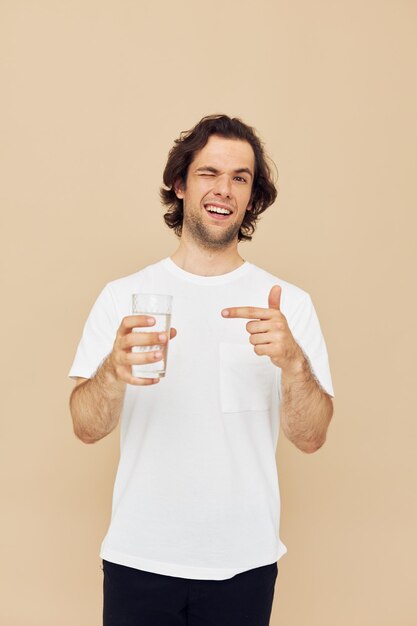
[219, 179]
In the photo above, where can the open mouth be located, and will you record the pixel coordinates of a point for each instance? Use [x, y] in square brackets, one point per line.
[217, 212]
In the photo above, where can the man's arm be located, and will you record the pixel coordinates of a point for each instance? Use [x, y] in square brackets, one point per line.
[96, 403]
[306, 409]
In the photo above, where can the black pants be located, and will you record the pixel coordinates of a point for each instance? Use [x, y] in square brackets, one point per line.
[136, 598]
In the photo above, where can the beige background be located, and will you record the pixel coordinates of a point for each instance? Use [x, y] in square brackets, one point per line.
[93, 94]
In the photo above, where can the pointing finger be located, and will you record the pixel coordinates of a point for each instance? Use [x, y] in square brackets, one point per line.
[247, 312]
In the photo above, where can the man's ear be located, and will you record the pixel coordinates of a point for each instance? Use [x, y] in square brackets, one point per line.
[179, 189]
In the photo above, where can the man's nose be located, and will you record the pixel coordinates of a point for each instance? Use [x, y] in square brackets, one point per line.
[223, 185]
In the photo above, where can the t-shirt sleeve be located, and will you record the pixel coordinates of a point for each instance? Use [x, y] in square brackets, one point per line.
[98, 336]
[306, 329]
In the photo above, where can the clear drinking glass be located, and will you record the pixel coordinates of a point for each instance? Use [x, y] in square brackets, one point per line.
[159, 307]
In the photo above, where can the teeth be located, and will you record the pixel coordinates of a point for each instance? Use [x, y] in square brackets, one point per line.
[216, 209]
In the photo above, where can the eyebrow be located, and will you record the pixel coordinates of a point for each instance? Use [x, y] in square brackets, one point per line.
[209, 168]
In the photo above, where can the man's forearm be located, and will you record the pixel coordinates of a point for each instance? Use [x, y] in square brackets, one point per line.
[306, 409]
[96, 404]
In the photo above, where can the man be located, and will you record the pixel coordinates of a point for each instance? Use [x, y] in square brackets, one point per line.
[194, 532]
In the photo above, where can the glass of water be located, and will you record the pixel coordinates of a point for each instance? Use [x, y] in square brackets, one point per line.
[159, 307]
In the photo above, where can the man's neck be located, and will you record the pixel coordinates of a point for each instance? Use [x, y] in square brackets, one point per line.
[203, 262]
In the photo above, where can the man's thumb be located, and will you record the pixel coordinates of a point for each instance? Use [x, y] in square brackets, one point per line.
[274, 298]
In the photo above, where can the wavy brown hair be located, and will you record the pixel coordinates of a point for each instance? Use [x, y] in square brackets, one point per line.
[182, 154]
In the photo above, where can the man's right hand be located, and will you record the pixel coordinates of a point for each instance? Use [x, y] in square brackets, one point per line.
[122, 358]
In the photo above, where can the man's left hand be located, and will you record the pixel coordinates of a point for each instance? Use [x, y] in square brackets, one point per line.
[269, 332]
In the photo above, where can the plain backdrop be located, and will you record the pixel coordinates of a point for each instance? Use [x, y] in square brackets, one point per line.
[93, 93]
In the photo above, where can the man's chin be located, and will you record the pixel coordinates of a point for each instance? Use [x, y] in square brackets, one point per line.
[210, 239]
[216, 243]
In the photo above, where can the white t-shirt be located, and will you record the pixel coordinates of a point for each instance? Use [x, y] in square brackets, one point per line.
[196, 492]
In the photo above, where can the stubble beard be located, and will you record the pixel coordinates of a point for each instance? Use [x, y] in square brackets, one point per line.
[208, 238]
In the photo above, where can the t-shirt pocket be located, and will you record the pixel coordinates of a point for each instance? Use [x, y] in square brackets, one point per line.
[246, 379]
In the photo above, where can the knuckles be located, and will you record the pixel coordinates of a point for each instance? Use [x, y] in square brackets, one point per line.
[130, 340]
[133, 321]
[125, 323]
